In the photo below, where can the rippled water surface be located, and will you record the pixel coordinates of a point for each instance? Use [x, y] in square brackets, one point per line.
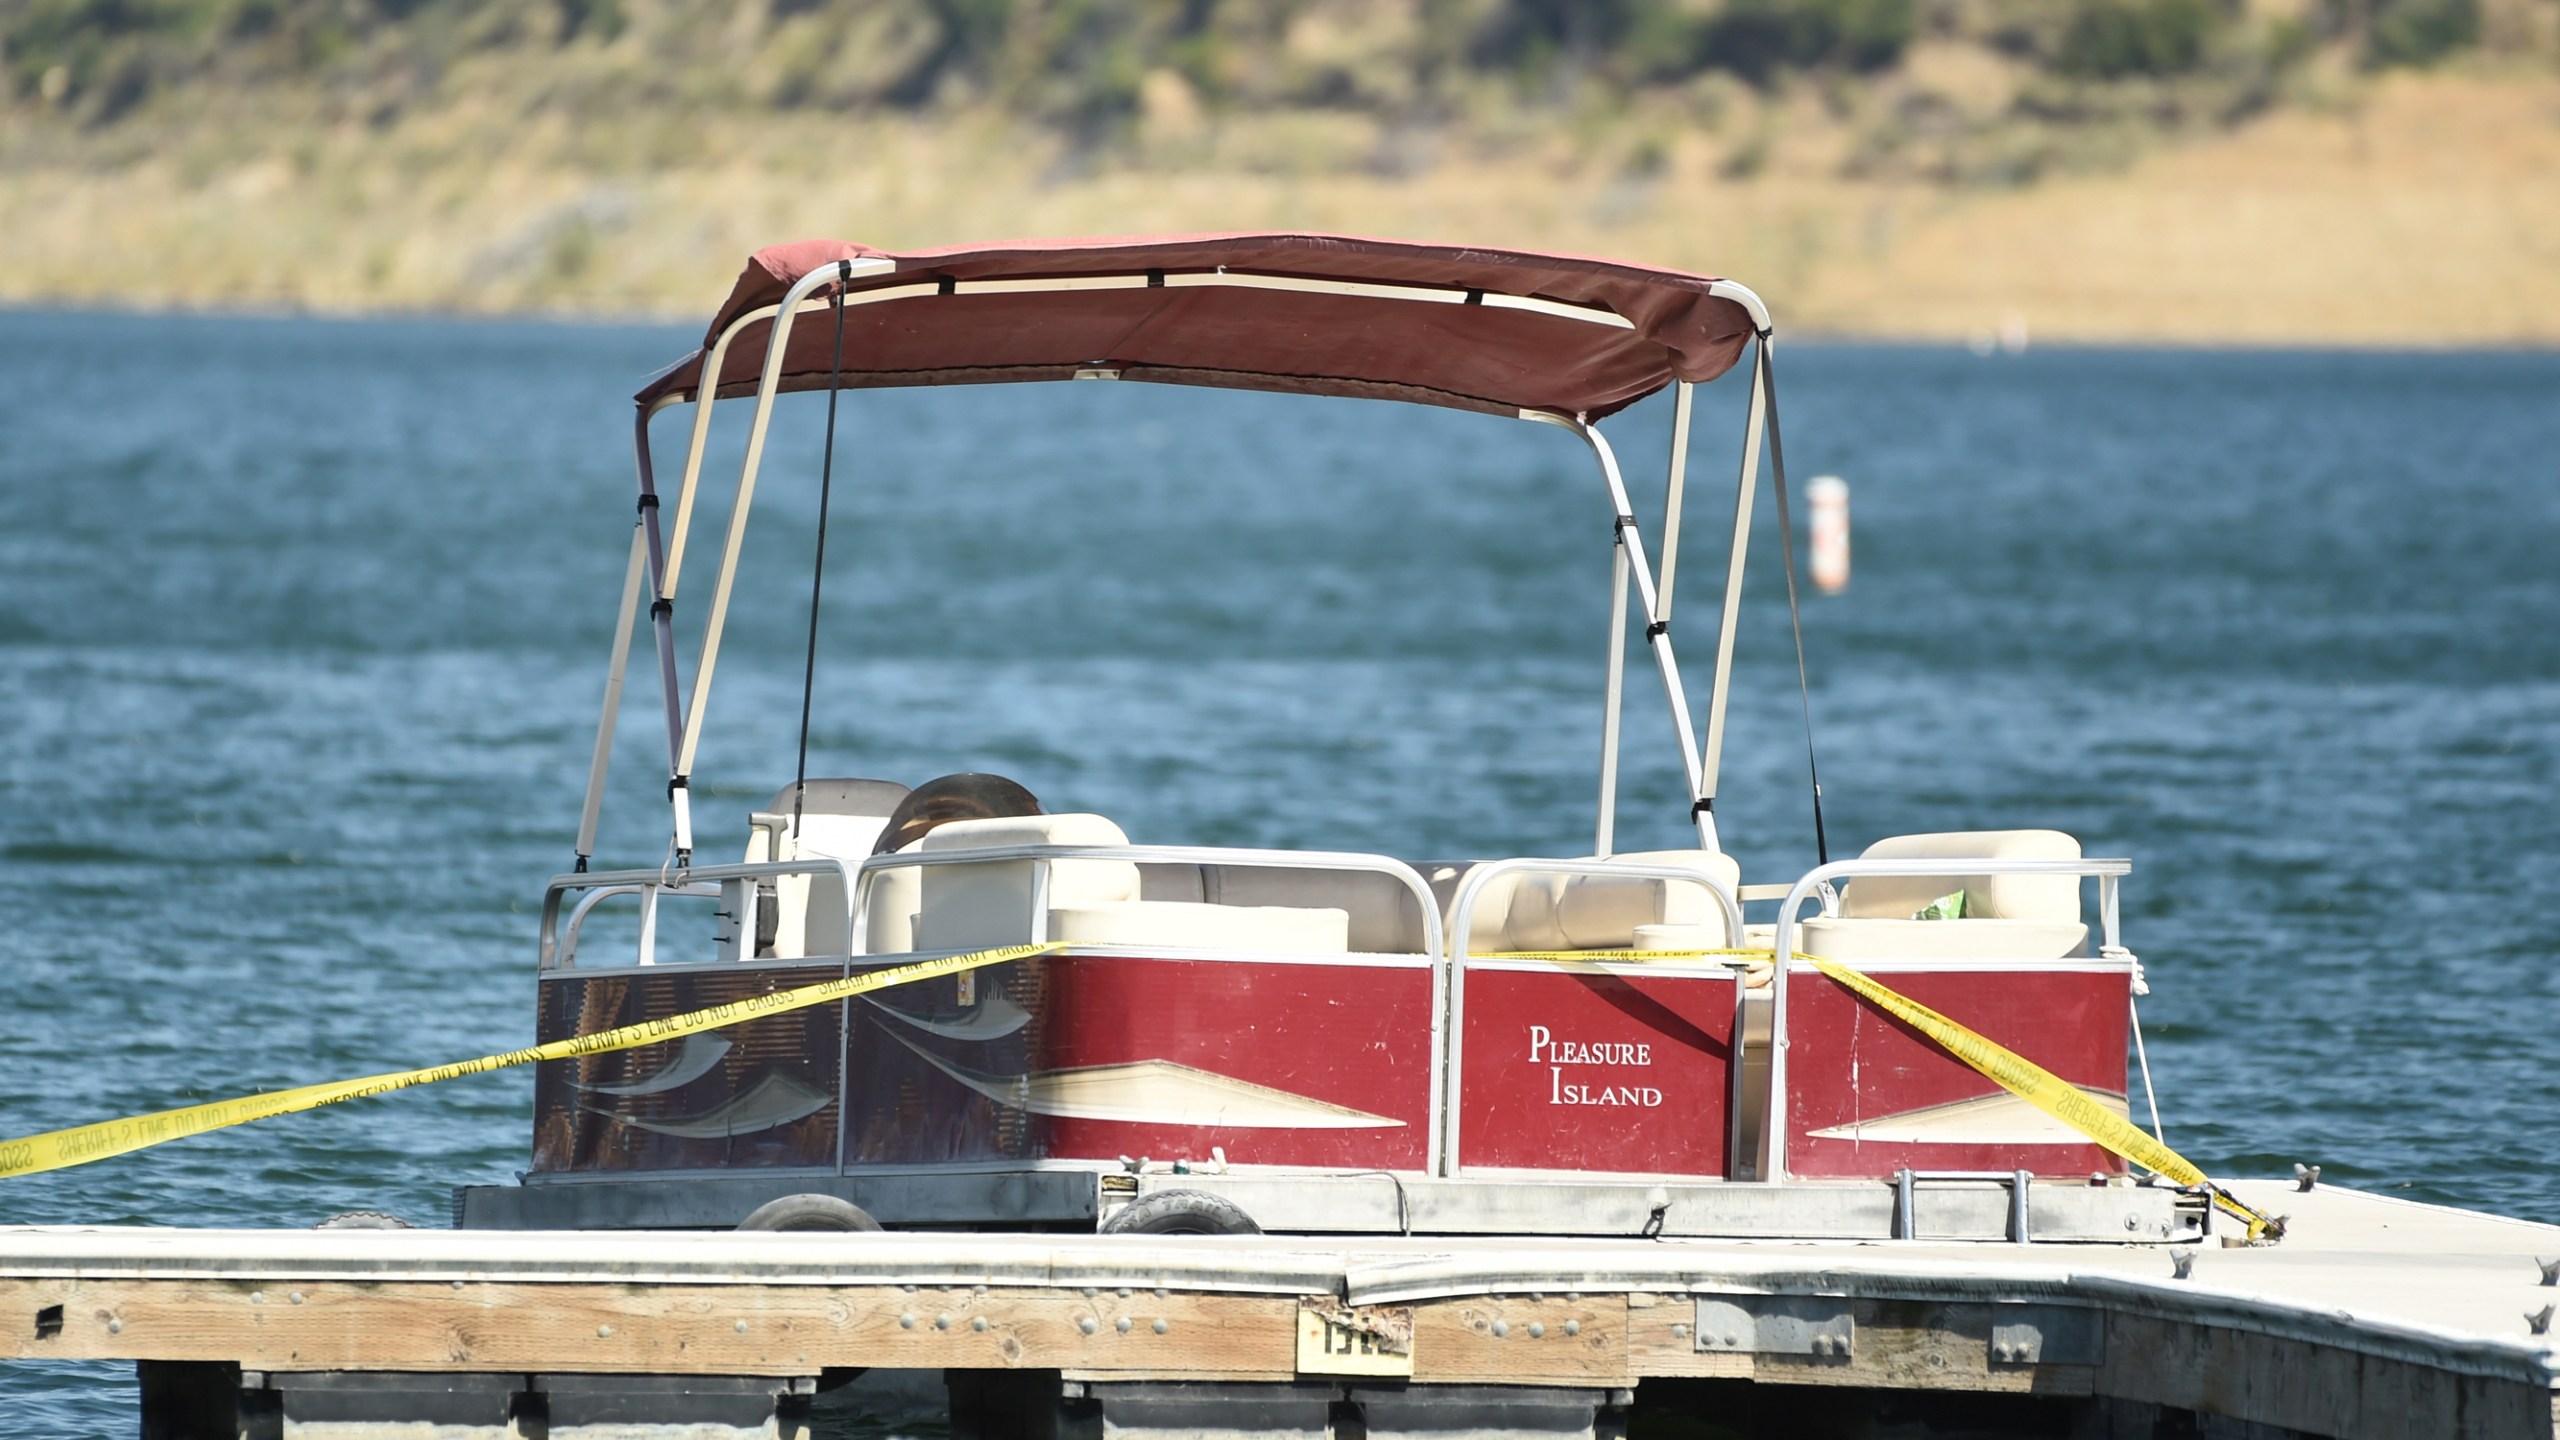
[303, 624]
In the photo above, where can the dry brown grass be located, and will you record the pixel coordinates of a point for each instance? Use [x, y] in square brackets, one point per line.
[2418, 210]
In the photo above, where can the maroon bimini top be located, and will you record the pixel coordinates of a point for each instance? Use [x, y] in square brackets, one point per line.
[1470, 356]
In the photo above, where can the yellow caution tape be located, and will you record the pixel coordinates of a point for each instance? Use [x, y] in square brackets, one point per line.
[61, 1149]
[2048, 1092]
[2013, 1072]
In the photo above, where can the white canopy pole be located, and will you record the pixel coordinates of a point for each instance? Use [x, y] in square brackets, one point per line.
[1712, 762]
[1675, 484]
[662, 611]
[612, 714]
[1606, 843]
[705, 392]
[766, 388]
[1657, 630]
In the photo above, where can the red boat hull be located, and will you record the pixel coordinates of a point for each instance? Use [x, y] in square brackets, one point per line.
[1868, 1095]
[1309, 1063]
[1587, 1070]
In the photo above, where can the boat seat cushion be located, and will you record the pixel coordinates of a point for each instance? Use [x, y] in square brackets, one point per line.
[889, 917]
[2051, 899]
[1533, 911]
[977, 907]
[1383, 915]
[1091, 902]
[1185, 925]
[1854, 942]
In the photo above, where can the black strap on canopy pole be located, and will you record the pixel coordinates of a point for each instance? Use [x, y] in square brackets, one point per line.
[818, 570]
[1795, 615]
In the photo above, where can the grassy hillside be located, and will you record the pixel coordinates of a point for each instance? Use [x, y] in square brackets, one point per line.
[2098, 168]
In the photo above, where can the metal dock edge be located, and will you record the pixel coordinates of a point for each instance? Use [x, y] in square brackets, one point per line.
[2376, 1318]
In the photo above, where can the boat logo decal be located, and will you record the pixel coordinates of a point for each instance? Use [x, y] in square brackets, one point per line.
[1156, 1092]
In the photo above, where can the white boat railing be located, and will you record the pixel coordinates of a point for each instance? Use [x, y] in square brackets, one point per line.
[734, 884]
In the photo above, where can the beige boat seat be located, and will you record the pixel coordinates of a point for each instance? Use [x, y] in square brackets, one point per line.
[2006, 917]
[1529, 910]
[1386, 917]
[839, 819]
[1090, 902]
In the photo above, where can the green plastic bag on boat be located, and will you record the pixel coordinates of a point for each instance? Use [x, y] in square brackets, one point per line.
[1949, 906]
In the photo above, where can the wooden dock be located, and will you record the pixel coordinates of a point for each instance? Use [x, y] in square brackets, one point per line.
[2372, 1318]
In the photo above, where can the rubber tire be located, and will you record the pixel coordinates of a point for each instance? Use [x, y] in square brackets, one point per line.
[364, 1220]
[809, 1212]
[1181, 1212]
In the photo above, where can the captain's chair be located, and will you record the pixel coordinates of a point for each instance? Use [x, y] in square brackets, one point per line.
[835, 819]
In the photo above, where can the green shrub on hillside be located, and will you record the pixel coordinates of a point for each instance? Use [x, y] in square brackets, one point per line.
[1758, 38]
[2421, 32]
[2108, 39]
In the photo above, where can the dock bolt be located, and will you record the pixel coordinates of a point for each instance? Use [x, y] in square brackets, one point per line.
[1162, 1326]
[1087, 1325]
[978, 1323]
[1122, 1325]
[740, 1327]
[906, 1322]
[1537, 1331]
[1501, 1328]
[942, 1322]
[1573, 1327]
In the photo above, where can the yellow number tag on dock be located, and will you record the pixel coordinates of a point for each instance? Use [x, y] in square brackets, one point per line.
[1335, 1339]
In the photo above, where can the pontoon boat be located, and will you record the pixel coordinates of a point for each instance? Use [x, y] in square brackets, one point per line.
[1230, 1039]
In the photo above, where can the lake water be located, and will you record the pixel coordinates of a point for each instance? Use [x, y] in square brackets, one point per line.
[303, 624]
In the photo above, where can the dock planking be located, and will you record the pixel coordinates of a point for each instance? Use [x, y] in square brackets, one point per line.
[2374, 1317]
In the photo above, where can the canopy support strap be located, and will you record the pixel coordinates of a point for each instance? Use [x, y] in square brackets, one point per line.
[1767, 382]
[818, 567]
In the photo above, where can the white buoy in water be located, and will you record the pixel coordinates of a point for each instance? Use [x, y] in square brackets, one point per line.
[1828, 497]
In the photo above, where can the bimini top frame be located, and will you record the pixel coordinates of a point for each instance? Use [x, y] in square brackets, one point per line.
[1558, 339]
